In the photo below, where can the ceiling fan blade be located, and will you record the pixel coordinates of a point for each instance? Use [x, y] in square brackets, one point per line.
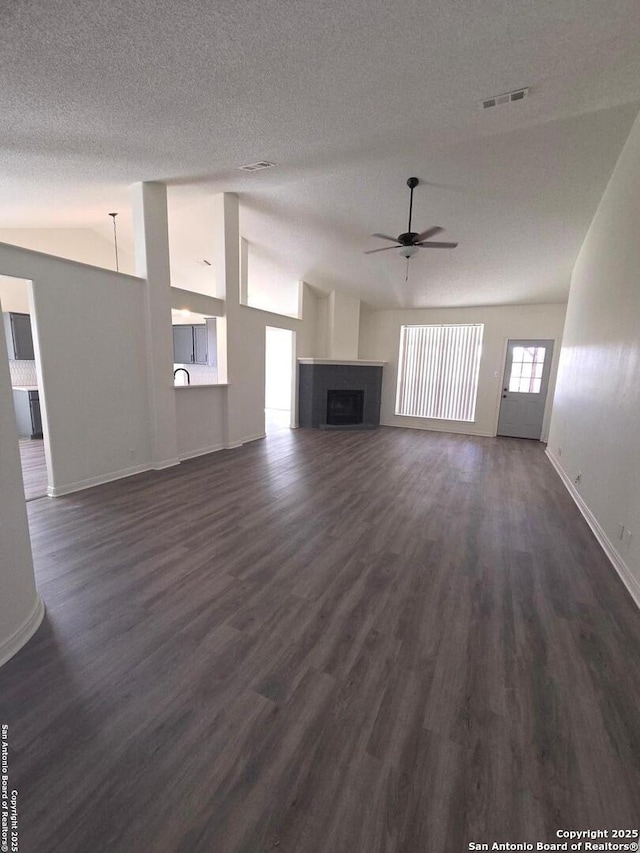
[436, 245]
[386, 237]
[383, 249]
[430, 232]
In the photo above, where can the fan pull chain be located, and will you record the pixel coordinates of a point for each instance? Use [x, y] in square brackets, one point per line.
[115, 239]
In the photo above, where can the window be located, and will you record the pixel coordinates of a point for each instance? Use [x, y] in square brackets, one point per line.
[526, 370]
[438, 371]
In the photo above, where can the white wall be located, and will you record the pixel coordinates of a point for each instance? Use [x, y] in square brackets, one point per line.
[89, 334]
[307, 329]
[196, 303]
[191, 224]
[76, 244]
[596, 417]
[322, 328]
[344, 326]
[380, 340]
[200, 420]
[91, 326]
[269, 287]
[21, 609]
[151, 246]
[14, 293]
[247, 388]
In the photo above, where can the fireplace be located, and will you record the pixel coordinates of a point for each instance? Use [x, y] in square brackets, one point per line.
[345, 408]
[336, 394]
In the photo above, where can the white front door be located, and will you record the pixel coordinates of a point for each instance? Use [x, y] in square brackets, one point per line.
[524, 388]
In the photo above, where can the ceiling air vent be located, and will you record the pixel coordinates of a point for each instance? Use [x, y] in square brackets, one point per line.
[255, 167]
[507, 98]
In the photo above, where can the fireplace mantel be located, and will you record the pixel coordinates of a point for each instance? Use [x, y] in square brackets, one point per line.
[356, 362]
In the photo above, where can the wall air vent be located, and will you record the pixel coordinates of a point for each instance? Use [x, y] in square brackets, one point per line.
[507, 98]
[255, 167]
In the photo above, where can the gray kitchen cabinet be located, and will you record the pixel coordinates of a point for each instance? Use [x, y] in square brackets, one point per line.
[17, 329]
[190, 344]
[27, 408]
[36, 417]
[200, 344]
[183, 344]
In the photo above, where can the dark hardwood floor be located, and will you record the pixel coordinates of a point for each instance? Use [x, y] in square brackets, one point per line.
[325, 642]
[34, 468]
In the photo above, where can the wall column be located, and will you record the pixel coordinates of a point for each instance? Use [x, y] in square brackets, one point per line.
[240, 333]
[151, 231]
[344, 326]
[21, 608]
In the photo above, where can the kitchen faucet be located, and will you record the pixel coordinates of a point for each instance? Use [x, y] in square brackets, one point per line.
[185, 370]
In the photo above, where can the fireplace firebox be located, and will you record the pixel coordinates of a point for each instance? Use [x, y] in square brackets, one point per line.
[345, 408]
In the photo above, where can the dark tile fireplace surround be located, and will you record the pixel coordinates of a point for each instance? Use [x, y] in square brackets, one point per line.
[334, 395]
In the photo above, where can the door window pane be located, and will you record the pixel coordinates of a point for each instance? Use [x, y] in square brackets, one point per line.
[526, 370]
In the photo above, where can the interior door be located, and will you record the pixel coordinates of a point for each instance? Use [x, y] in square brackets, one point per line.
[524, 388]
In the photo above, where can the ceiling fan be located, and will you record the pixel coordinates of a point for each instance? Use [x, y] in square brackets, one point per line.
[409, 242]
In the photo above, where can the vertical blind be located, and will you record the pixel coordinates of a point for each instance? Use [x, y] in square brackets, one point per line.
[438, 371]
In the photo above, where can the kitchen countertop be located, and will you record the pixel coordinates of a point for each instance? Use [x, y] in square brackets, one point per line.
[24, 387]
[204, 385]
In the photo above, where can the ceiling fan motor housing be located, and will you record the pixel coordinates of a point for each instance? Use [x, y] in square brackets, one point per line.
[410, 241]
[408, 238]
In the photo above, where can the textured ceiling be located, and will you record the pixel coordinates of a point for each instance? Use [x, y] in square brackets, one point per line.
[348, 99]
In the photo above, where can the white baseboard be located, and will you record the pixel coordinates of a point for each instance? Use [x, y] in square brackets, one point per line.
[69, 488]
[455, 430]
[614, 558]
[244, 440]
[19, 638]
[166, 463]
[255, 437]
[58, 491]
[191, 454]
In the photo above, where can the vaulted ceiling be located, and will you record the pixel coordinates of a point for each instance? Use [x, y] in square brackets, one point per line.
[348, 99]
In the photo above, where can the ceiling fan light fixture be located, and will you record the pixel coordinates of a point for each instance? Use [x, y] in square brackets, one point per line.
[410, 241]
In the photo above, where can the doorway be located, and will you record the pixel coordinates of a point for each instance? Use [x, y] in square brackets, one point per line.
[278, 391]
[524, 388]
[17, 314]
